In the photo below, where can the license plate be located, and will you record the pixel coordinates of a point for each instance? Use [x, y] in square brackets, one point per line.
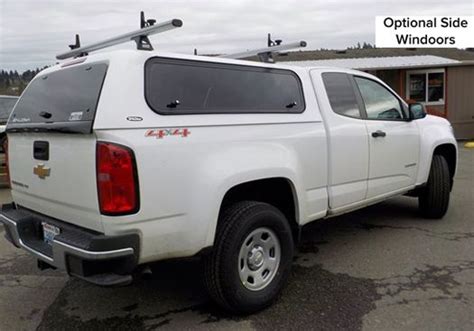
[49, 232]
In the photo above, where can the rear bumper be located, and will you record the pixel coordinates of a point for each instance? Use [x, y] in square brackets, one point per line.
[94, 257]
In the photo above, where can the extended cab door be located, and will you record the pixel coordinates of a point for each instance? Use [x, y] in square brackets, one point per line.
[348, 146]
[394, 142]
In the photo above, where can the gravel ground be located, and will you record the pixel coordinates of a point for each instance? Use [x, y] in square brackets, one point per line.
[382, 267]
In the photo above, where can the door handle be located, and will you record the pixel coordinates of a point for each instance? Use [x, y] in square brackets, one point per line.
[41, 150]
[378, 133]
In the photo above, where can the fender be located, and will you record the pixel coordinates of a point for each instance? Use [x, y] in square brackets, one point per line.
[225, 173]
[434, 131]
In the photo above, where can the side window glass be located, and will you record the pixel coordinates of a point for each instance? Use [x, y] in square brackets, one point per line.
[341, 94]
[380, 103]
[192, 87]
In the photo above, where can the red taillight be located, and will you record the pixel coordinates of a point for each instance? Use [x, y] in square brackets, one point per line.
[7, 169]
[116, 179]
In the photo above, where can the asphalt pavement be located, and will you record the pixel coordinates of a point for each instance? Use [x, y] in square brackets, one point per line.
[380, 268]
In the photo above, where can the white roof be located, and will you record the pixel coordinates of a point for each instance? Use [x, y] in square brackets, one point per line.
[390, 62]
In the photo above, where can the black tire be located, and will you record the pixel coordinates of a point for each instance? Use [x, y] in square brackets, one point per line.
[221, 267]
[433, 200]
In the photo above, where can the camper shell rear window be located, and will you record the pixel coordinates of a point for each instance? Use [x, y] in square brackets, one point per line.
[178, 87]
[64, 101]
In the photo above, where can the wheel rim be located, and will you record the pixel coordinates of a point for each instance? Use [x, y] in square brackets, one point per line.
[259, 259]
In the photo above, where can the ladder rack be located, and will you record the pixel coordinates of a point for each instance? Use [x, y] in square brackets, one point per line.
[148, 27]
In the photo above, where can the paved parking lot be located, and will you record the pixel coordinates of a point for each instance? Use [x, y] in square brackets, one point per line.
[383, 267]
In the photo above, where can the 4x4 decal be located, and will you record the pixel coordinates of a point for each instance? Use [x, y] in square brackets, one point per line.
[161, 133]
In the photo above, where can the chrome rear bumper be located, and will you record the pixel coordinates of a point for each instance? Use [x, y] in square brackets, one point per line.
[80, 252]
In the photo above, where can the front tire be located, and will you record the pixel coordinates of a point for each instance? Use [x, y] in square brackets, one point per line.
[251, 259]
[433, 200]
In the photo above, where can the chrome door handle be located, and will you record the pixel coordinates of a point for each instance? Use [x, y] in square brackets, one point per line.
[378, 133]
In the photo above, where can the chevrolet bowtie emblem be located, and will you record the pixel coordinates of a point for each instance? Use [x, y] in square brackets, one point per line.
[41, 171]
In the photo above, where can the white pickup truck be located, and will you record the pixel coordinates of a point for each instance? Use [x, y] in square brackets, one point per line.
[124, 158]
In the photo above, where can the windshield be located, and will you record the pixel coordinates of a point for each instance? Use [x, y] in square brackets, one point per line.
[65, 100]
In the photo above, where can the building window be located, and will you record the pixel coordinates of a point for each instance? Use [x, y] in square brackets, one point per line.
[426, 86]
[436, 87]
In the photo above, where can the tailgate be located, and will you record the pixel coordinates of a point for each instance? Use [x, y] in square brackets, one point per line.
[64, 186]
[51, 145]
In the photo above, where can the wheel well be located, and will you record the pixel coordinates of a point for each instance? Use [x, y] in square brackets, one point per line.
[448, 151]
[277, 192]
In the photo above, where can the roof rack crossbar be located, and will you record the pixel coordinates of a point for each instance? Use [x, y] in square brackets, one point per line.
[140, 36]
[265, 54]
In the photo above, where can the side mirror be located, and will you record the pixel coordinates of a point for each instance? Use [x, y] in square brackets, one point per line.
[416, 111]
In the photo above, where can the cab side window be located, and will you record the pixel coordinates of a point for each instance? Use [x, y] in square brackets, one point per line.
[341, 94]
[379, 102]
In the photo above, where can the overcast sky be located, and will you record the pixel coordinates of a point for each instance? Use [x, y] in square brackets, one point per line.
[32, 32]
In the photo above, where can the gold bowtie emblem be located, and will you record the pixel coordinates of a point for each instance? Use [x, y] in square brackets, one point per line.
[41, 171]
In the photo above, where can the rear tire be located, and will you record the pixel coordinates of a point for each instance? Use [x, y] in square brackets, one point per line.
[433, 200]
[251, 259]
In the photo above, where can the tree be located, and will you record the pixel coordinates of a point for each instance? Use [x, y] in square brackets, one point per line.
[13, 80]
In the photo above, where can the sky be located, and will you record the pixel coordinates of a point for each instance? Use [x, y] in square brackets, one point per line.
[32, 32]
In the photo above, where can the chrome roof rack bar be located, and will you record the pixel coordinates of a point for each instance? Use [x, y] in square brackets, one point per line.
[265, 54]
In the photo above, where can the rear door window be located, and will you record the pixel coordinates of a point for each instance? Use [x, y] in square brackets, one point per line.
[195, 87]
[64, 100]
[341, 94]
